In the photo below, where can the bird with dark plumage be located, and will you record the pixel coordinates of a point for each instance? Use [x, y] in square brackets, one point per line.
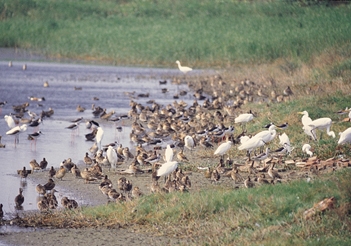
[19, 199]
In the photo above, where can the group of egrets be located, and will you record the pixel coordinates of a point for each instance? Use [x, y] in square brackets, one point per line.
[260, 139]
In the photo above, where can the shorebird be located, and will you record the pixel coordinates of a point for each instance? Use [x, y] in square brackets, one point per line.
[34, 165]
[60, 173]
[68, 203]
[52, 172]
[40, 189]
[34, 136]
[248, 183]
[43, 164]
[16, 131]
[24, 173]
[19, 199]
[50, 184]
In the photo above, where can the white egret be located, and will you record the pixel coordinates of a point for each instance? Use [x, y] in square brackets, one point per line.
[345, 136]
[285, 142]
[99, 136]
[10, 122]
[167, 168]
[169, 153]
[305, 118]
[267, 135]
[189, 142]
[306, 148]
[223, 148]
[310, 126]
[112, 156]
[243, 139]
[183, 69]
[244, 118]
[251, 144]
[322, 123]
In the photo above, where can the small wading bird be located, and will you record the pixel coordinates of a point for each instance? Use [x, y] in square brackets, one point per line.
[183, 69]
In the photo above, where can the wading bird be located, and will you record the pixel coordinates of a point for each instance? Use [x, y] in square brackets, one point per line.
[183, 69]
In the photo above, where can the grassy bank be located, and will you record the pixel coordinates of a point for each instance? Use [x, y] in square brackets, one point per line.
[200, 33]
[267, 215]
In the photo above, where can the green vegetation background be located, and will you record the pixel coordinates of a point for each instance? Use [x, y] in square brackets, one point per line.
[209, 33]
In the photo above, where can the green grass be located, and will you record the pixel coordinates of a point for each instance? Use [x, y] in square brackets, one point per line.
[202, 33]
[267, 215]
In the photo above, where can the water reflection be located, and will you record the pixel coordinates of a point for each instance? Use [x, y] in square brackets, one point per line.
[112, 86]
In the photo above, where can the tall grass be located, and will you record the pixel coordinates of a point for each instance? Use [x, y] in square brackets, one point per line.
[203, 33]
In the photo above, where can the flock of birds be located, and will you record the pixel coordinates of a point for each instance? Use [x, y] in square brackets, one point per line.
[163, 137]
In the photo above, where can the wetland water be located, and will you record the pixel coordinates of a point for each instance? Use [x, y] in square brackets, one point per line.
[107, 83]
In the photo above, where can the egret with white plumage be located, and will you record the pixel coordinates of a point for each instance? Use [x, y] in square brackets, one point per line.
[306, 148]
[189, 142]
[183, 69]
[99, 136]
[223, 148]
[251, 144]
[167, 168]
[345, 136]
[244, 118]
[112, 156]
[169, 153]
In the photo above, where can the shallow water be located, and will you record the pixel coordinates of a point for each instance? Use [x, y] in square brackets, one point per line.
[57, 143]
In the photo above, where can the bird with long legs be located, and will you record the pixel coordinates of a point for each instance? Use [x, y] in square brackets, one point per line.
[16, 131]
[99, 136]
[243, 119]
[251, 144]
[223, 148]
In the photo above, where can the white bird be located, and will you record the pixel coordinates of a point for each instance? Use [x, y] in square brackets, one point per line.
[167, 168]
[183, 69]
[16, 131]
[307, 149]
[112, 156]
[223, 148]
[10, 122]
[267, 135]
[251, 144]
[305, 118]
[189, 142]
[243, 139]
[284, 139]
[169, 153]
[310, 126]
[99, 136]
[243, 119]
[345, 136]
[322, 123]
